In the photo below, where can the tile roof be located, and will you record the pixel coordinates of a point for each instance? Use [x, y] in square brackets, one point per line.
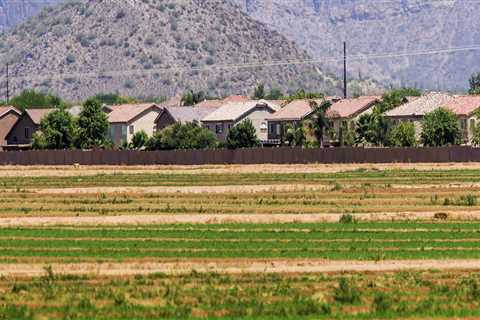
[126, 112]
[217, 103]
[236, 99]
[233, 111]
[38, 114]
[299, 109]
[189, 114]
[347, 108]
[294, 111]
[5, 109]
[464, 105]
[421, 106]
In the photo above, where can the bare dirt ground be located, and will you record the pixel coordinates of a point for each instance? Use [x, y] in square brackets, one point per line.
[57, 171]
[226, 218]
[228, 188]
[188, 189]
[236, 267]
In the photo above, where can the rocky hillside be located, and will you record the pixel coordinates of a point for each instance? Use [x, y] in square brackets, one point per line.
[13, 12]
[151, 48]
[371, 26]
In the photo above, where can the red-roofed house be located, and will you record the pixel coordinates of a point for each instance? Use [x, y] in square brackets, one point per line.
[342, 112]
[465, 107]
[345, 113]
[8, 117]
[127, 119]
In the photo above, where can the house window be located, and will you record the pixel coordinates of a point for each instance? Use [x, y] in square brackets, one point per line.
[229, 126]
[27, 133]
[463, 124]
[131, 129]
[472, 125]
[271, 128]
[219, 128]
[344, 124]
[124, 133]
[279, 129]
[352, 125]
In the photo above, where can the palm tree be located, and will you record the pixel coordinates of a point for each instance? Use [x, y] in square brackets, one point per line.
[320, 121]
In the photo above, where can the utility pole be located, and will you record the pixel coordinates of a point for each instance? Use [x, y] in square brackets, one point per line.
[8, 87]
[344, 70]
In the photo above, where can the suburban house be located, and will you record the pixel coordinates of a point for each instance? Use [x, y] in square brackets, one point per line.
[8, 117]
[230, 114]
[291, 114]
[20, 135]
[345, 113]
[415, 110]
[128, 119]
[465, 107]
[171, 115]
[342, 113]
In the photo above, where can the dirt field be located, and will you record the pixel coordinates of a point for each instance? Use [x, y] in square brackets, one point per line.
[56, 171]
[237, 267]
[224, 219]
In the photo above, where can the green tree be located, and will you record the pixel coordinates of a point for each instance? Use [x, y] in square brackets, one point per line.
[92, 125]
[303, 95]
[346, 136]
[319, 119]
[274, 94]
[243, 135]
[403, 135]
[183, 136]
[33, 99]
[57, 130]
[139, 140]
[475, 83]
[396, 97]
[259, 92]
[440, 128]
[191, 98]
[294, 135]
[113, 99]
[373, 128]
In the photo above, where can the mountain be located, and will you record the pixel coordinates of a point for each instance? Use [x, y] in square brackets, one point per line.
[151, 48]
[368, 27]
[379, 27]
[13, 12]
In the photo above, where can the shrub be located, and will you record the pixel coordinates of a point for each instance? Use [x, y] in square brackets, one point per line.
[346, 218]
[243, 135]
[381, 302]
[403, 135]
[440, 128]
[139, 140]
[183, 136]
[346, 292]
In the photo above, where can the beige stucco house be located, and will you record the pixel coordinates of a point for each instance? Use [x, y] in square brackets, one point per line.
[128, 119]
[230, 114]
[342, 112]
[466, 107]
[415, 110]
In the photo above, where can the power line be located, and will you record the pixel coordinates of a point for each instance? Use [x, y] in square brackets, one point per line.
[258, 64]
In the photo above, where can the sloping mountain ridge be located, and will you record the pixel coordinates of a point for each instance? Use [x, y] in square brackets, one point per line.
[151, 48]
[320, 27]
[368, 26]
[13, 12]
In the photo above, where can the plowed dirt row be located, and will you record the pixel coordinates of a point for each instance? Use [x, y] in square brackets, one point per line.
[60, 171]
[236, 267]
[226, 218]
